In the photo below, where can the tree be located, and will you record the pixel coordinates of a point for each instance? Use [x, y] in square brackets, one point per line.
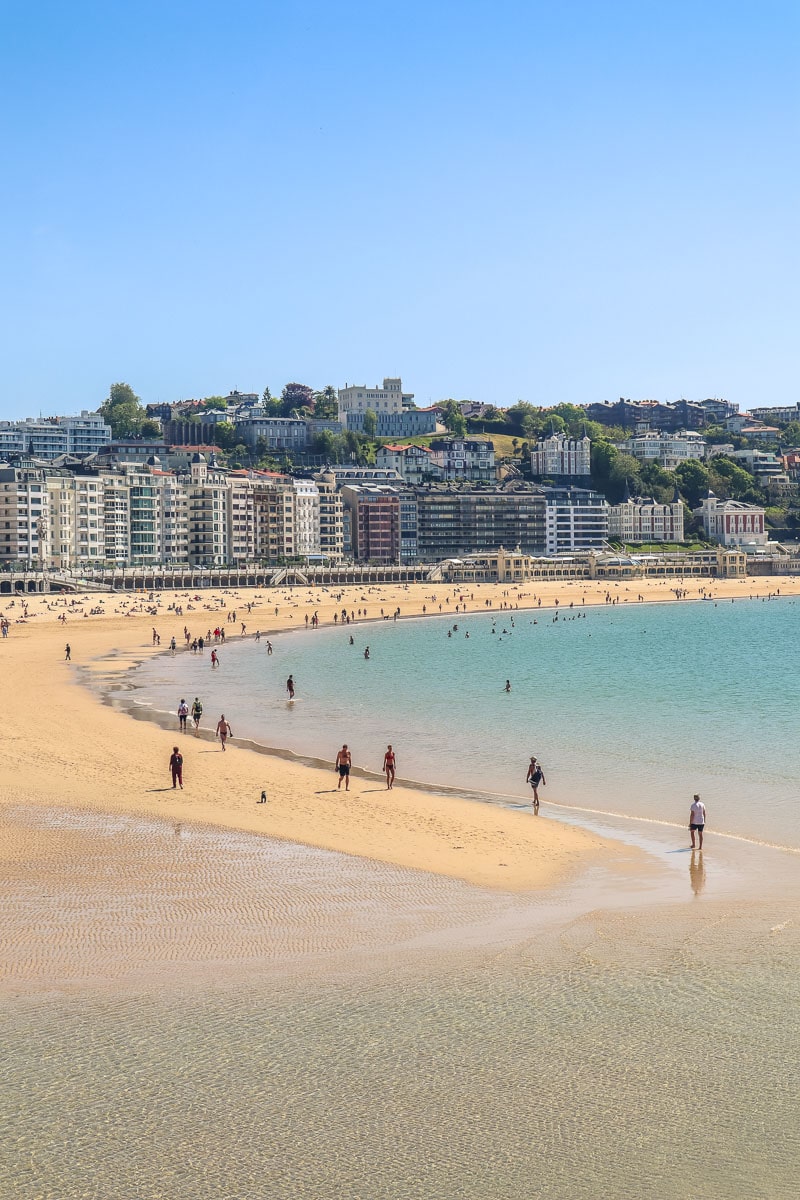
[296, 396]
[693, 480]
[326, 404]
[625, 472]
[371, 424]
[150, 429]
[572, 416]
[790, 434]
[324, 444]
[225, 435]
[518, 412]
[603, 455]
[215, 402]
[123, 411]
[453, 418]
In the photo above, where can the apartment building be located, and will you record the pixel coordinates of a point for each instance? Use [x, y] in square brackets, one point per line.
[462, 459]
[24, 515]
[331, 520]
[273, 516]
[413, 464]
[667, 450]
[306, 518]
[638, 519]
[470, 459]
[49, 438]
[374, 522]
[453, 520]
[576, 519]
[780, 414]
[562, 459]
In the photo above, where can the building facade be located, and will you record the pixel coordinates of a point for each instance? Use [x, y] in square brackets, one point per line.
[51, 437]
[667, 450]
[374, 522]
[562, 459]
[732, 522]
[576, 519]
[358, 398]
[454, 520]
[645, 520]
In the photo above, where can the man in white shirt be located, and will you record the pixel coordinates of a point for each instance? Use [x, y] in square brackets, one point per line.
[697, 820]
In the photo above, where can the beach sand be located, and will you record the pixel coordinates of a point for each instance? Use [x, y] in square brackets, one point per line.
[190, 1010]
[63, 747]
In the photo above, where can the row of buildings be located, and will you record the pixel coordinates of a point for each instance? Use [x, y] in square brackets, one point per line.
[139, 513]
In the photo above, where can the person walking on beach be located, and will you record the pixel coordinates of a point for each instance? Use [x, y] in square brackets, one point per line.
[290, 687]
[534, 777]
[176, 767]
[344, 760]
[214, 659]
[67, 653]
[223, 730]
[197, 712]
[389, 767]
[183, 712]
[697, 821]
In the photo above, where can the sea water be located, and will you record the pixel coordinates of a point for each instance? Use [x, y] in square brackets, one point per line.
[631, 708]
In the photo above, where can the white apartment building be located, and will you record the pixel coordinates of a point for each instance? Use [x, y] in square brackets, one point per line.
[50, 437]
[24, 516]
[561, 458]
[645, 520]
[414, 464]
[358, 398]
[138, 513]
[575, 519]
[732, 522]
[668, 450]
[306, 518]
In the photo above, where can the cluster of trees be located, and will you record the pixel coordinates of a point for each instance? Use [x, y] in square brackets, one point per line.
[125, 413]
[298, 399]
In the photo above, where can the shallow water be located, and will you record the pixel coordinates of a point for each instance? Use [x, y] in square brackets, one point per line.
[631, 708]
[379, 1033]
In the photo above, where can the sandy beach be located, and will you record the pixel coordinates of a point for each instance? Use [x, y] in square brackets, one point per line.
[464, 1000]
[66, 748]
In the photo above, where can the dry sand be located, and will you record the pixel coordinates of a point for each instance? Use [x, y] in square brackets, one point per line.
[64, 748]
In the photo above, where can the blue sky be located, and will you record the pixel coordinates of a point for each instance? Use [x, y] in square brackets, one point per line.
[543, 201]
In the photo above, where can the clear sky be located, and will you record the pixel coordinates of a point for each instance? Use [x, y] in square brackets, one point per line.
[560, 201]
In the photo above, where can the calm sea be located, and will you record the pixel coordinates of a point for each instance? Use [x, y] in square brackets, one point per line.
[631, 709]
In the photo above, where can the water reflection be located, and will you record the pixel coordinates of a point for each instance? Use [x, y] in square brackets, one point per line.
[697, 872]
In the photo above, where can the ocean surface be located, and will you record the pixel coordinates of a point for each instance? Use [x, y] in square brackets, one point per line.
[630, 708]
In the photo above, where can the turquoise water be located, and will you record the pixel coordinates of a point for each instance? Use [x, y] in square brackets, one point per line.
[631, 709]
